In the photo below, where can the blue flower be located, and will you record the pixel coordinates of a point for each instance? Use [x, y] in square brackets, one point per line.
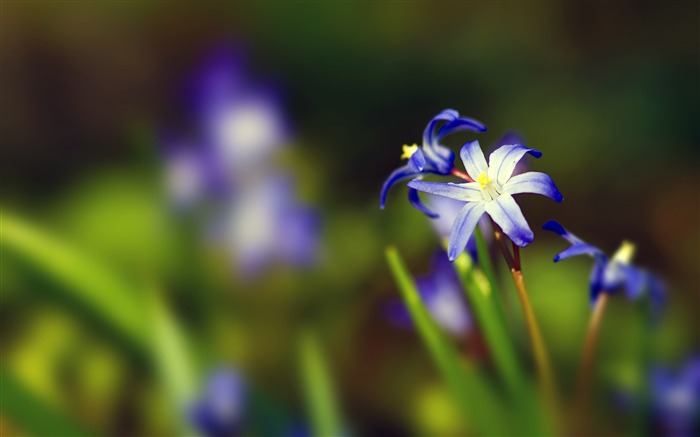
[676, 399]
[443, 297]
[220, 411]
[611, 274]
[432, 157]
[492, 193]
[265, 225]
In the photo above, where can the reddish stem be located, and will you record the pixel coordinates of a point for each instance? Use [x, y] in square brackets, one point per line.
[516, 256]
[460, 174]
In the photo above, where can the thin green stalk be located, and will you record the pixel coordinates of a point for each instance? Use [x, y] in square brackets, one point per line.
[320, 396]
[485, 304]
[479, 404]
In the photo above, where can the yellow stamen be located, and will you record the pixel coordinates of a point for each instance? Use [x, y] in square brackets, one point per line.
[625, 253]
[408, 151]
[483, 179]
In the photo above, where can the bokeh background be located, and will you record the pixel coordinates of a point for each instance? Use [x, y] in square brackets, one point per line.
[91, 92]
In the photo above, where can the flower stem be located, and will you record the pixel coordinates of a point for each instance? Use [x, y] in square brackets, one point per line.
[461, 174]
[544, 368]
[589, 346]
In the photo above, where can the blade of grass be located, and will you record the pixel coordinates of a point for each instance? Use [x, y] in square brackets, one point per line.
[172, 360]
[30, 414]
[478, 401]
[112, 299]
[318, 388]
[485, 303]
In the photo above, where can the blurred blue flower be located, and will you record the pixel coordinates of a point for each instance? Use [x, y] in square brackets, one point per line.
[432, 157]
[675, 399]
[250, 205]
[612, 274]
[264, 225]
[443, 297]
[241, 122]
[492, 193]
[220, 411]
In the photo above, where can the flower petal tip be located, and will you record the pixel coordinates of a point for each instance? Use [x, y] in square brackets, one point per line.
[536, 153]
[555, 227]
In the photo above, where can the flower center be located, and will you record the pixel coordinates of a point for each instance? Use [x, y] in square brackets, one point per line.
[408, 151]
[489, 188]
[483, 180]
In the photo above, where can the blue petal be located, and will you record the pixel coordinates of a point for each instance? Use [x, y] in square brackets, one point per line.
[463, 227]
[400, 173]
[416, 202]
[533, 182]
[657, 295]
[503, 160]
[507, 214]
[473, 159]
[634, 282]
[439, 158]
[596, 284]
[579, 249]
[558, 229]
[467, 192]
[462, 123]
[429, 132]
[417, 161]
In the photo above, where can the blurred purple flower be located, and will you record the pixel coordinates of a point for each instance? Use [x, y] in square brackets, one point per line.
[242, 123]
[265, 225]
[240, 126]
[221, 409]
[443, 297]
[491, 194]
[431, 157]
[612, 274]
[676, 399]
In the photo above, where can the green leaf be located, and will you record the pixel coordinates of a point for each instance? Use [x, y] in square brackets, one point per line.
[110, 298]
[479, 403]
[320, 396]
[30, 414]
[172, 360]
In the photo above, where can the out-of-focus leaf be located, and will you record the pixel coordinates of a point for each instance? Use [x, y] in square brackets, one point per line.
[172, 359]
[318, 388]
[111, 298]
[482, 408]
[32, 415]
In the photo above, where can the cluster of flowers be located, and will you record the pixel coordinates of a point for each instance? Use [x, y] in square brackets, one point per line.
[228, 177]
[488, 189]
[228, 170]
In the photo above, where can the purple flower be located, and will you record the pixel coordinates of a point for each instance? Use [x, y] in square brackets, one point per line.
[676, 399]
[220, 411]
[612, 274]
[443, 297]
[492, 193]
[264, 225]
[432, 157]
[242, 123]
